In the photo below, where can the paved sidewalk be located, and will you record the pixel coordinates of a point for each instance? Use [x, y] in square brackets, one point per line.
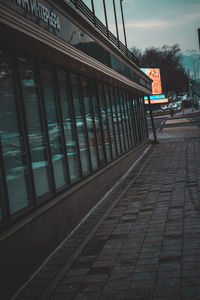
[142, 241]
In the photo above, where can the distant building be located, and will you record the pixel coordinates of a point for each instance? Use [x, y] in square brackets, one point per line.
[72, 121]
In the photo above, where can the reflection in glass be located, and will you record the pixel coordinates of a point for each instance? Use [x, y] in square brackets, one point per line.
[80, 126]
[89, 124]
[126, 110]
[35, 134]
[99, 11]
[106, 132]
[97, 124]
[110, 122]
[120, 121]
[131, 119]
[54, 130]
[124, 120]
[115, 120]
[88, 3]
[70, 140]
[138, 119]
[134, 106]
[11, 140]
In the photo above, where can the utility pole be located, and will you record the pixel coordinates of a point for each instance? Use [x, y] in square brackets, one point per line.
[190, 90]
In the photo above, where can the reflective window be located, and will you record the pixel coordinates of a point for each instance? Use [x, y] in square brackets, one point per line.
[97, 123]
[138, 119]
[128, 125]
[131, 119]
[88, 3]
[124, 118]
[80, 125]
[106, 132]
[110, 122]
[35, 134]
[120, 121]
[54, 130]
[99, 11]
[69, 128]
[90, 124]
[115, 120]
[11, 140]
[134, 105]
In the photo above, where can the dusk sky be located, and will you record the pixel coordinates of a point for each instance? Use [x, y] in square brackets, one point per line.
[155, 22]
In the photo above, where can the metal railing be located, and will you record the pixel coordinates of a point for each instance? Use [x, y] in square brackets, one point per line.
[82, 7]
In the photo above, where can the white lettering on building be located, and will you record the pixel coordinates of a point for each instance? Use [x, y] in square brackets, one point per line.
[40, 11]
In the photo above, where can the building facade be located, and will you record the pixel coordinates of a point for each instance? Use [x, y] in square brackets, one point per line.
[72, 121]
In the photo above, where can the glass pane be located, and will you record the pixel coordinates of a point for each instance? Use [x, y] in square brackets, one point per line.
[130, 136]
[70, 140]
[35, 133]
[110, 122]
[54, 129]
[11, 140]
[97, 124]
[88, 3]
[131, 118]
[99, 11]
[115, 120]
[106, 132]
[135, 119]
[89, 124]
[81, 130]
[138, 120]
[124, 120]
[120, 121]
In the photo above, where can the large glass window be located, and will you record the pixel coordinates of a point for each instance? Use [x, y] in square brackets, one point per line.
[69, 127]
[131, 119]
[138, 119]
[11, 140]
[97, 123]
[35, 133]
[128, 120]
[54, 130]
[120, 121]
[110, 122]
[106, 132]
[124, 120]
[80, 125]
[115, 120]
[90, 124]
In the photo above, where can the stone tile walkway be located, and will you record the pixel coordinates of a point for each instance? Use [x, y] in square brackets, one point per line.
[141, 242]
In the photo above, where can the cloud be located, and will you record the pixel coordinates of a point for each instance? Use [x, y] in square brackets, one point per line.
[163, 23]
[147, 24]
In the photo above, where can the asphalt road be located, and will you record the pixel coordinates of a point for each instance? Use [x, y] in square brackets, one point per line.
[187, 120]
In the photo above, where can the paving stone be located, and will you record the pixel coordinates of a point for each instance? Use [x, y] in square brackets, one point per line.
[190, 291]
[147, 245]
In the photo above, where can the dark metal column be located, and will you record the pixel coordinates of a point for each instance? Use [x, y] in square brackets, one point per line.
[123, 24]
[104, 6]
[152, 121]
[116, 24]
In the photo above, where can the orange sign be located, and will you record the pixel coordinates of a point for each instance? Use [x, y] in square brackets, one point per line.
[154, 74]
[165, 100]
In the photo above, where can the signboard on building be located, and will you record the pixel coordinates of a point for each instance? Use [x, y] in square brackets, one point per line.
[157, 97]
[154, 74]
